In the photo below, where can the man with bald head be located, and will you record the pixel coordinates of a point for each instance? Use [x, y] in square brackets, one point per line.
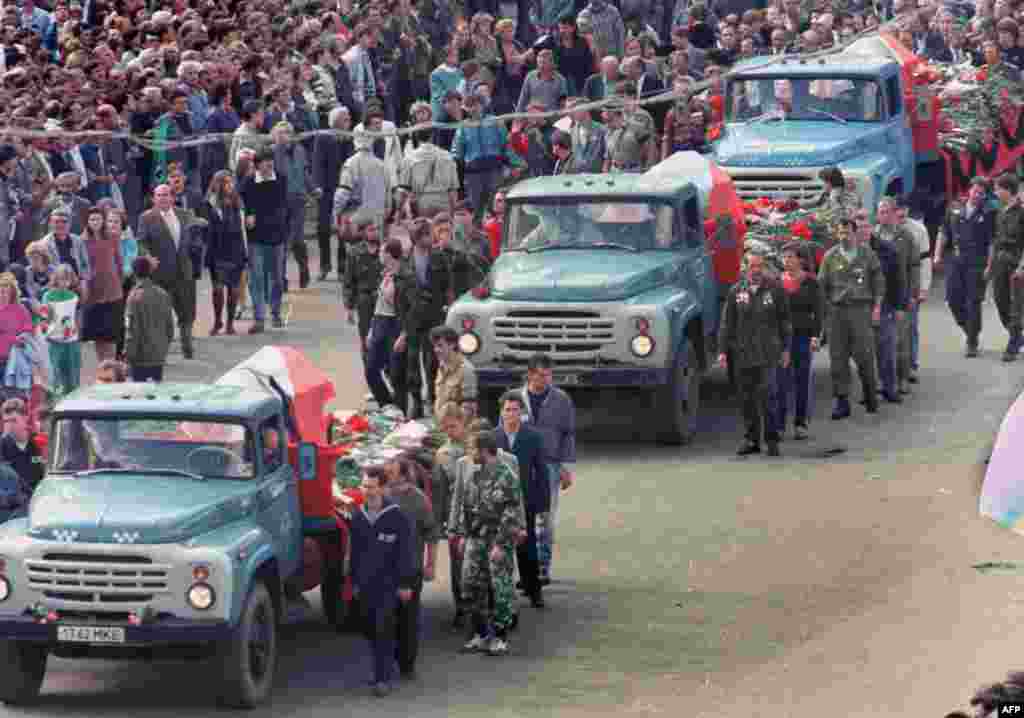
[164, 234]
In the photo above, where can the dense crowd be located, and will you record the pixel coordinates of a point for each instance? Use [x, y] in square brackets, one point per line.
[104, 237]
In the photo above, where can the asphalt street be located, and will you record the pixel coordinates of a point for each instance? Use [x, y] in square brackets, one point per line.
[687, 581]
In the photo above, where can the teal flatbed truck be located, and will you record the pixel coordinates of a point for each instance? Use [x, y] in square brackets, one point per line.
[174, 519]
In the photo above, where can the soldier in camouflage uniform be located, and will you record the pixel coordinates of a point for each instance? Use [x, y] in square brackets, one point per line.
[635, 149]
[1005, 267]
[362, 281]
[851, 280]
[487, 522]
[421, 309]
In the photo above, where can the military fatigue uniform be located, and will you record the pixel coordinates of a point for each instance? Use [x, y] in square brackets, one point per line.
[1007, 258]
[487, 511]
[361, 283]
[629, 153]
[455, 382]
[756, 328]
[970, 238]
[910, 270]
[420, 309]
[852, 288]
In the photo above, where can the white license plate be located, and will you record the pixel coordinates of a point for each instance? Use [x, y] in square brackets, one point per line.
[90, 634]
[566, 379]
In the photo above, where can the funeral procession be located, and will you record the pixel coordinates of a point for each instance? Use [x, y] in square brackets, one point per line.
[512, 358]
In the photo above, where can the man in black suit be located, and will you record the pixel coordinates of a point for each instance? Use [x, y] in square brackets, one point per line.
[527, 445]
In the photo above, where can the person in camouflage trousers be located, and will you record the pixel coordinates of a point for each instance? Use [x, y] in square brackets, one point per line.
[487, 522]
[361, 282]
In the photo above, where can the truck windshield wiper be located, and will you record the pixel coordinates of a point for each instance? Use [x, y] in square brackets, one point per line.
[828, 114]
[611, 245]
[151, 472]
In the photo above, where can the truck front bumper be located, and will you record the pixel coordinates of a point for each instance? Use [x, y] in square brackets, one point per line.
[158, 633]
[578, 377]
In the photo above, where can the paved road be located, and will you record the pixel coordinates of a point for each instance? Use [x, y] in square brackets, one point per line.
[689, 581]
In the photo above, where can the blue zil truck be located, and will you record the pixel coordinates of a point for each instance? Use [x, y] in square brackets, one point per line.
[611, 276]
[787, 119]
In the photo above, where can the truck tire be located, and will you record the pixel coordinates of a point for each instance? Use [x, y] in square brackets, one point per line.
[250, 658]
[22, 666]
[676, 414]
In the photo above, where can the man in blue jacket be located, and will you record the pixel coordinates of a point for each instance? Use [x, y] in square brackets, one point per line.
[383, 571]
[517, 438]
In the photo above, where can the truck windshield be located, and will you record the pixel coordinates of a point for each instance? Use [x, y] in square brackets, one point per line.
[634, 226]
[206, 449]
[804, 98]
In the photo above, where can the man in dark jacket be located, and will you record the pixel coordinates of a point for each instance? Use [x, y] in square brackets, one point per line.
[265, 194]
[528, 446]
[894, 307]
[17, 447]
[756, 331]
[328, 159]
[383, 570]
[150, 324]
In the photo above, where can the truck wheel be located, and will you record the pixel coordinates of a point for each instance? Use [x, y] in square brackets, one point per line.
[679, 404]
[250, 658]
[22, 666]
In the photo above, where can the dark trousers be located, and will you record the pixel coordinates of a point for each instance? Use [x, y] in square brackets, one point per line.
[381, 357]
[794, 383]
[378, 614]
[420, 348]
[1007, 293]
[153, 372]
[756, 391]
[965, 293]
[325, 231]
[296, 239]
[407, 621]
[126, 288]
[526, 558]
[455, 567]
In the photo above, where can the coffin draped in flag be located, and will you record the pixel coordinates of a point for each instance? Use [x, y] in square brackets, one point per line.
[307, 386]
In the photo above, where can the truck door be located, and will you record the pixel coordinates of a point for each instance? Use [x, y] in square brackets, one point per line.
[281, 514]
[701, 262]
[900, 134]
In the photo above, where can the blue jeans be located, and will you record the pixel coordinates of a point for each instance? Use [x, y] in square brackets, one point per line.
[265, 278]
[795, 382]
[381, 357]
[887, 339]
[915, 336]
[546, 522]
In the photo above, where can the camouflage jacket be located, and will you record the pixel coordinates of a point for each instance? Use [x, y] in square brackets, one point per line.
[362, 279]
[488, 504]
[1009, 240]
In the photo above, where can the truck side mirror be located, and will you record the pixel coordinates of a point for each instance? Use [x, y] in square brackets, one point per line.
[307, 461]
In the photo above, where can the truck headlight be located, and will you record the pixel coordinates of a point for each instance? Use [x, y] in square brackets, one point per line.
[641, 345]
[5, 589]
[469, 343]
[201, 597]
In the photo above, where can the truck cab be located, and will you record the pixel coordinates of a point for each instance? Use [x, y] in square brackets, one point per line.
[610, 276]
[785, 120]
[169, 521]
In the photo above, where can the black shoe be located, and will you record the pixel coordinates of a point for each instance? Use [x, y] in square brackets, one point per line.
[871, 407]
[382, 689]
[773, 448]
[972, 352]
[188, 353]
[277, 323]
[323, 275]
[1009, 357]
[408, 674]
[912, 378]
[545, 580]
[537, 601]
[842, 409]
[892, 398]
[519, 585]
[748, 448]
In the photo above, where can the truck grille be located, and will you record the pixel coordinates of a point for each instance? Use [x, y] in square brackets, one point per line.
[803, 187]
[97, 580]
[558, 333]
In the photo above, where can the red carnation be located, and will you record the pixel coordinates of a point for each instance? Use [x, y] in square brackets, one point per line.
[801, 230]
